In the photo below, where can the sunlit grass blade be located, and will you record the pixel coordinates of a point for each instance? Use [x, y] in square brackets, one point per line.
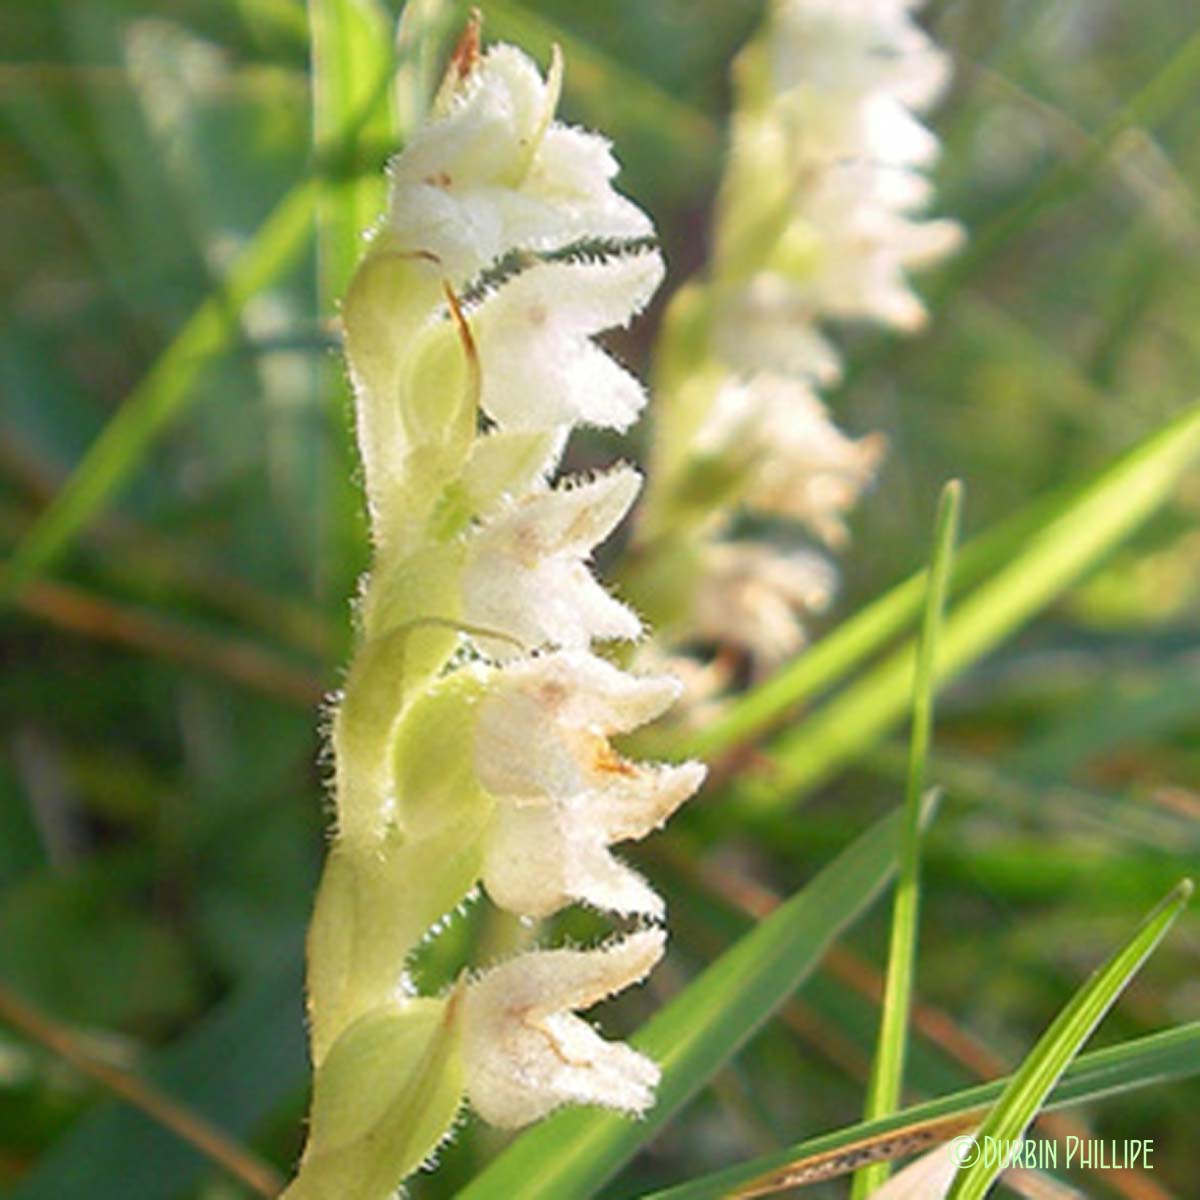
[573, 1153]
[1034, 1080]
[351, 67]
[165, 391]
[352, 64]
[424, 28]
[1053, 558]
[887, 1069]
[1155, 1060]
[1145, 475]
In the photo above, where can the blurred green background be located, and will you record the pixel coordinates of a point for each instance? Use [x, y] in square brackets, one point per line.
[160, 782]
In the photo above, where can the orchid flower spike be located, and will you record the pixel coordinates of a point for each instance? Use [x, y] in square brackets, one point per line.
[471, 740]
[819, 219]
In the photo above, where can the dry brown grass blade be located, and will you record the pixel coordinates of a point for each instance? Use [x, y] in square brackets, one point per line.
[239, 1162]
[758, 902]
[74, 609]
[157, 556]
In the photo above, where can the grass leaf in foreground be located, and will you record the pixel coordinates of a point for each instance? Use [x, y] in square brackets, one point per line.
[1156, 1059]
[573, 1153]
[887, 1069]
[1027, 1090]
[1054, 557]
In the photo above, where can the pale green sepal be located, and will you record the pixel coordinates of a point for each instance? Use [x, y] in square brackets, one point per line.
[441, 392]
[383, 1100]
[374, 906]
[507, 463]
[391, 297]
[433, 763]
[420, 587]
[392, 294]
[502, 464]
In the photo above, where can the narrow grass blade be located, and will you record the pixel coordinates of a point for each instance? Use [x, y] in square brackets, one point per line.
[1053, 558]
[165, 390]
[424, 28]
[1150, 1061]
[1145, 475]
[351, 68]
[1027, 1090]
[573, 1153]
[833, 658]
[352, 65]
[887, 1070]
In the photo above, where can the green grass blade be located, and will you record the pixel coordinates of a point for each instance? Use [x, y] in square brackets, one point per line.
[352, 65]
[1027, 1090]
[1099, 518]
[164, 392]
[887, 1069]
[1154, 1060]
[573, 1153]
[830, 660]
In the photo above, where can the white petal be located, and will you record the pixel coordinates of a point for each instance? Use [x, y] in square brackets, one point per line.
[540, 859]
[582, 691]
[539, 367]
[768, 327]
[569, 520]
[555, 602]
[526, 576]
[491, 173]
[638, 800]
[750, 595]
[524, 1051]
[564, 704]
[800, 464]
[572, 170]
[523, 868]
[928, 1178]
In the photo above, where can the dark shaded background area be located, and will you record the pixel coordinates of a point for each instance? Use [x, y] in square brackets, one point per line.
[160, 794]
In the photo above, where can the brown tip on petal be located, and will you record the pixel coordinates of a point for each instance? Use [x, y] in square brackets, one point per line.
[470, 350]
[454, 1000]
[466, 53]
[606, 761]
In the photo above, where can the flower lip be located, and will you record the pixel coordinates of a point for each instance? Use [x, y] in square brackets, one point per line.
[525, 1051]
[526, 573]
